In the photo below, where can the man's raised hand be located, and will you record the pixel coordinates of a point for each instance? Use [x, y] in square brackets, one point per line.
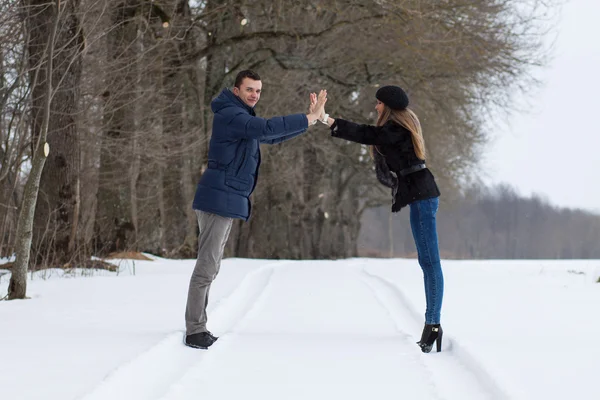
[317, 107]
[320, 104]
[313, 103]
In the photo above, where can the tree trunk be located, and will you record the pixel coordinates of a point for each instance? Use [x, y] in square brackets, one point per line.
[59, 202]
[58, 205]
[42, 26]
[176, 73]
[17, 286]
[96, 22]
[113, 225]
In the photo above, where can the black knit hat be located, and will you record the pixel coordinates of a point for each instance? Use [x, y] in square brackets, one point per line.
[393, 97]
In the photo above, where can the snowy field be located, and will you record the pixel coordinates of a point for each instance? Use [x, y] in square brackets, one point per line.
[306, 330]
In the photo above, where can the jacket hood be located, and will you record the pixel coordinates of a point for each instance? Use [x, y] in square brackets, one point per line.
[227, 99]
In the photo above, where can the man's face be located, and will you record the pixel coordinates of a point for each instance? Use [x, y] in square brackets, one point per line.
[249, 91]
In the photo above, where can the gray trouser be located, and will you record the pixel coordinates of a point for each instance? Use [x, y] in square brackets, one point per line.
[214, 231]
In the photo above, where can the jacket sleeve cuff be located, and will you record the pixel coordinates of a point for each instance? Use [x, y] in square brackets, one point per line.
[333, 126]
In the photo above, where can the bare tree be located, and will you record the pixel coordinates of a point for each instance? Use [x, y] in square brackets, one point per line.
[139, 122]
[58, 205]
[43, 28]
[454, 59]
[14, 135]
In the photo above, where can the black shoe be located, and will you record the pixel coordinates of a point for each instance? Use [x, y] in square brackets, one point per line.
[202, 340]
[214, 338]
[431, 334]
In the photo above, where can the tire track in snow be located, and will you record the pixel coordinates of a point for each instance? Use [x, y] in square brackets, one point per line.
[401, 332]
[453, 364]
[306, 359]
[152, 373]
[240, 311]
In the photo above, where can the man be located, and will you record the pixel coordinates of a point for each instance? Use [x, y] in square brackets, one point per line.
[225, 187]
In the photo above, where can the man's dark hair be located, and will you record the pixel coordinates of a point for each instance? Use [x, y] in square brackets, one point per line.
[247, 73]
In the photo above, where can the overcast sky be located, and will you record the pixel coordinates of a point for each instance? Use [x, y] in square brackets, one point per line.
[554, 149]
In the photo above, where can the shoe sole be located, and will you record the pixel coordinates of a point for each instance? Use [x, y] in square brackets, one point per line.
[195, 347]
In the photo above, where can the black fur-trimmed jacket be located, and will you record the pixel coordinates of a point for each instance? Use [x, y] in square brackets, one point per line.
[394, 152]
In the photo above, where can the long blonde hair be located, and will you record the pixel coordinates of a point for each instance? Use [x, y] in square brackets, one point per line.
[409, 120]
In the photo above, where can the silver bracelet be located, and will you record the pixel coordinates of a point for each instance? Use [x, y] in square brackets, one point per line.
[325, 119]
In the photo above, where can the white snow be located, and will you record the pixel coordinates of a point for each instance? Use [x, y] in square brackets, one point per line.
[342, 329]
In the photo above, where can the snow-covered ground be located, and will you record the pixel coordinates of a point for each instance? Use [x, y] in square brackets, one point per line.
[342, 329]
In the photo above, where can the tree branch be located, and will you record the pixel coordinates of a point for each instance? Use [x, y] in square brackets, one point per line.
[276, 35]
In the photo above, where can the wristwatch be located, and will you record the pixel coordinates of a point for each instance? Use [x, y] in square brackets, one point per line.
[325, 119]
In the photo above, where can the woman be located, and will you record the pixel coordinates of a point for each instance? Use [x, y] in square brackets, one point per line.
[397, 145]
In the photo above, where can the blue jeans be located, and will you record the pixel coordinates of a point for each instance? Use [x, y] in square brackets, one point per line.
[422, 222]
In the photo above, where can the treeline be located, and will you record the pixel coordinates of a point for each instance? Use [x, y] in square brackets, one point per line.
[490, 223]
[120, 92]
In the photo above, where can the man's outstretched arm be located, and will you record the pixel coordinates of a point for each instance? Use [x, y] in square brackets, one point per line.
[245, 126]
[282, 139]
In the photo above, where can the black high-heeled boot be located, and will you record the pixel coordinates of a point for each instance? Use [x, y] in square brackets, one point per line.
[431, 334]
[423, 335]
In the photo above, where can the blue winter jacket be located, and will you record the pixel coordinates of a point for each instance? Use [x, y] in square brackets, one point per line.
[234, 154]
